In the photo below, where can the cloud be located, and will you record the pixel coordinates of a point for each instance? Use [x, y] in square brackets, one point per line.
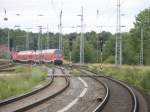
[29, 9]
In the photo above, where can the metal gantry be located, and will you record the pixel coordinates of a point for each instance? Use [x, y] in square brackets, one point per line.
[118, 54]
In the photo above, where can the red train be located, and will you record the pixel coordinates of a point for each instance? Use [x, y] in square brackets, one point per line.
[50, 56]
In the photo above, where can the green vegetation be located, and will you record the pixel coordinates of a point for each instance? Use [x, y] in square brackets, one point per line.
[135, 76]
[75, 72]
[71, 42]
[24, 79]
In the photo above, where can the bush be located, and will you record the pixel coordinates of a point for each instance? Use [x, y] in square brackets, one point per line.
[135, 76]
[145, 82]
[110, 60]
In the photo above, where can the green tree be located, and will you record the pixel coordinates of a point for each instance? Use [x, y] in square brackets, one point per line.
[142, 22]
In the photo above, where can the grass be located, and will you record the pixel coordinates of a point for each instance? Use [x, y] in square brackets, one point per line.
[75, 72]
[23, 79]
[133, 75]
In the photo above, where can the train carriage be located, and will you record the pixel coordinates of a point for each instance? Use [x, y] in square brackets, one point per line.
[49, 55]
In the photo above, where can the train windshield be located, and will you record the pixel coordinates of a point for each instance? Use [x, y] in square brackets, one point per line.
[58, 55]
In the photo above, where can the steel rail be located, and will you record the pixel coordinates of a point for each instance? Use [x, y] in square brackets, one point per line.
[19, 97]
[45, 99]
[6, 66]
[133, 95]
[107, 95]
[7, 70]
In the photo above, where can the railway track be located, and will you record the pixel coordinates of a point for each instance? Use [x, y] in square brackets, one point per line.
[120, 98]
[30, 100]
[7, 67]
[107, 91]
[4, 62]
[79, 97]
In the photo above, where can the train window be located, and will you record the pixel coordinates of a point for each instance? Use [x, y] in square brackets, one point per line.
[58, 55]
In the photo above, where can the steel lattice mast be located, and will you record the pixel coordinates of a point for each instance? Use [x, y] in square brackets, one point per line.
[82, 40]
[141, 47]
[60, 31]
[118, 54]
[27, 40]
[47, 39]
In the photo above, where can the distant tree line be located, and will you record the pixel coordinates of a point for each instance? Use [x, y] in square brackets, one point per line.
[94, 42]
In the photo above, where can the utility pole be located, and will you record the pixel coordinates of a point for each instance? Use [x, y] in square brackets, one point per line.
[141, 47]
[101, 52]
[60, 31]
[81, 39]
[39, 38]
[97, 43]
[47, 38]
[8, 37]
[9, 52]
[118, 54]
[40, 43]
[70, 46]
[27, 41]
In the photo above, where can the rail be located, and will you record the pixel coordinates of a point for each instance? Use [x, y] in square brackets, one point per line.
[13, 99]
[134, 98]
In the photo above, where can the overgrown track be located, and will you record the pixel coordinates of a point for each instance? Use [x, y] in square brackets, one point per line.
[3, 62]
[26, 101]
[7, 67]
[114, 86]
[14, 99]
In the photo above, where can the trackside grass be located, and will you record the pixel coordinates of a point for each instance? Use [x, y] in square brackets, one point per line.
[75, 72]
[23, 79]
[133, 75]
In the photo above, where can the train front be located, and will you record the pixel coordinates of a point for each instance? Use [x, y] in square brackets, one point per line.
[58, 60]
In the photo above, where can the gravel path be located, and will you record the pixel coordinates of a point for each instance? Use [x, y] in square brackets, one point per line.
[61, 100]
[89, 102]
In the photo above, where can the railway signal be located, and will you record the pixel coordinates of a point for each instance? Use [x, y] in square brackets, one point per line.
[5, 18]
[70, 42]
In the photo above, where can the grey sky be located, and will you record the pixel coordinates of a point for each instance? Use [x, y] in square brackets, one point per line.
[29, 9]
